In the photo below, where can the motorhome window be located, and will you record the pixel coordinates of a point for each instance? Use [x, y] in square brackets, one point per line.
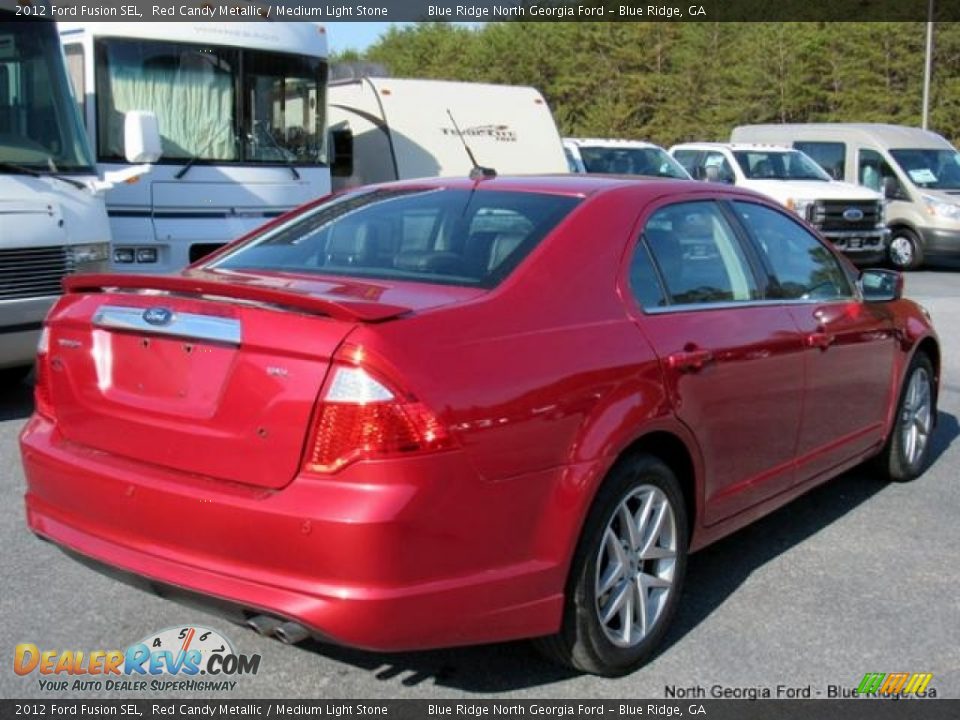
[630, 161]
[39, 126]
[831, 156]
[763, 165]
[284, 108]
[933, 168]
[447, 236]
[872, 170]
[75, 71]
[214, 104]
[190, 88]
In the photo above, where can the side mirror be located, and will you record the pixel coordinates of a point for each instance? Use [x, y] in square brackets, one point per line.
[881, 285]
[141, 137]
[341, 150]
[891, 188]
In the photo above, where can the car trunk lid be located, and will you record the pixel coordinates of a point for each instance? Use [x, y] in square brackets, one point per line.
[208, 374]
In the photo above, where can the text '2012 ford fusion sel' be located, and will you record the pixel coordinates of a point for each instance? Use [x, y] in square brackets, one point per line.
[447, 412]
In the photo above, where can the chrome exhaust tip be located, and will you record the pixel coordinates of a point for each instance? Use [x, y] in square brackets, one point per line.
[264, 624]
[291, 633]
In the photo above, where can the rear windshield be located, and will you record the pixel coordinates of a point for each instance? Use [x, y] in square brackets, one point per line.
[454, 237]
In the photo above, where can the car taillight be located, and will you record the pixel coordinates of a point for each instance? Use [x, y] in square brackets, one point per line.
[359, 417]
[41, 388]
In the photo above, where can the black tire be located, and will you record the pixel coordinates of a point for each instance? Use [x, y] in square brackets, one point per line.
[14, 376]
[905, 251]
[583, 642]
[897, 462]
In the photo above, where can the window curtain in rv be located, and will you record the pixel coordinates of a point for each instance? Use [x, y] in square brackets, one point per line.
[194, 103]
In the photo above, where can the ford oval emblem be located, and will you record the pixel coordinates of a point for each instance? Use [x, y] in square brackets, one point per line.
[852, 214]
[158, 316]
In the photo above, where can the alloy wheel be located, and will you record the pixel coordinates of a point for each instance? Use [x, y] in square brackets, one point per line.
[916, 416]
[636, 564]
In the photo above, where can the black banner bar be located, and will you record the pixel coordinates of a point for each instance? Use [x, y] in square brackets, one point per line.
[485, 10]
[864, 709]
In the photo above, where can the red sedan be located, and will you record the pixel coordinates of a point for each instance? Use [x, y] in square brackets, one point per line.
[448, 412]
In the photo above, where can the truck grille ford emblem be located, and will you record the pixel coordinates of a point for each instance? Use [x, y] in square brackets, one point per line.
[853, 214]
[158, 316]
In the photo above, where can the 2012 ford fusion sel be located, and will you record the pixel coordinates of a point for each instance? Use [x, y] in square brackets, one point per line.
[459, 411]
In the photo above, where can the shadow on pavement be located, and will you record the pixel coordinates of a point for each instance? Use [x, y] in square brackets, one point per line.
[16, 397]
[715, 573]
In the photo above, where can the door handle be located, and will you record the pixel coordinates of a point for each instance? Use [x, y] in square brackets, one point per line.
[689, 360]
[819, 339]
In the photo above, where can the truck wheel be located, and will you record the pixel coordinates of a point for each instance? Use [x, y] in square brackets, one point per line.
[626, 574]
[906, 252]
[905, 455]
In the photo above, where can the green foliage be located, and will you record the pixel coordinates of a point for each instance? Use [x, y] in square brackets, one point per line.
[670, 82]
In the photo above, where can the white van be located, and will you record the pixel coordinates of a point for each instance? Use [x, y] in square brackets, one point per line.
[918, 171]
[241, 110]
[397, 129]
[621, 157]
[52, 216]
[851, 217]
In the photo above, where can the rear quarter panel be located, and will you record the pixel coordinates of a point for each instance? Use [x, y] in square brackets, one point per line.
[547, 371]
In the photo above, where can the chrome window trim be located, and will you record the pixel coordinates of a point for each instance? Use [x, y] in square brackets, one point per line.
[191, 326]
[734, 304]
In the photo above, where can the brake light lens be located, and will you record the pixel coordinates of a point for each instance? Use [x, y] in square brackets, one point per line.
[361, 417]
[43, 402]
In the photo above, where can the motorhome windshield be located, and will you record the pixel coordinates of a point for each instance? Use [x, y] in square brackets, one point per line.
[936, 169]
[630, 161]
[39, 126]
[214, 104]
[767, 165]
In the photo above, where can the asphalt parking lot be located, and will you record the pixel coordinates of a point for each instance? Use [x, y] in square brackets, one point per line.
[854, 577]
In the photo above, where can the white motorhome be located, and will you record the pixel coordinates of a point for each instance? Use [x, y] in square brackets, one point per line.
[402, 129]
[621, 157]
[918, 171]
[241, 110]
[850, 216]
[52, 216]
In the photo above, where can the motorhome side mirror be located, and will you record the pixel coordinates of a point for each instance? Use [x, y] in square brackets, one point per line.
[881, 285]
[891, 188]
[341, 148]
[141, 137]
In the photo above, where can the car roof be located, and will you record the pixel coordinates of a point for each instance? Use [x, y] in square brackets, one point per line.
[572, 184]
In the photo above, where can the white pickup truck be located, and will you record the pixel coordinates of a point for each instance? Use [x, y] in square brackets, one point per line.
[850, 216]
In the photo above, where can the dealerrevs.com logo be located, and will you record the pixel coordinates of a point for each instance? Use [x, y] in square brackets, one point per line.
[190, 658]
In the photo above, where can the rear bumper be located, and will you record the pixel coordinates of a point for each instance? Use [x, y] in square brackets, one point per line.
[408, 554]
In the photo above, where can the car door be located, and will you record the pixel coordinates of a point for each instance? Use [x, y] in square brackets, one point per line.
[850, 345]
[733, 365]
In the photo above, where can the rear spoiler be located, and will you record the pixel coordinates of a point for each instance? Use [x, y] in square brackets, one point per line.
[349, 310]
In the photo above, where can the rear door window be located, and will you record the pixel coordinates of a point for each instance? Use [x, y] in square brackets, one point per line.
[450, 236]
[804, 269]
[697, 256]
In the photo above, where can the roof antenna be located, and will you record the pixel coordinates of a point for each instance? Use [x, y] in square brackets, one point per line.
[477, 172]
